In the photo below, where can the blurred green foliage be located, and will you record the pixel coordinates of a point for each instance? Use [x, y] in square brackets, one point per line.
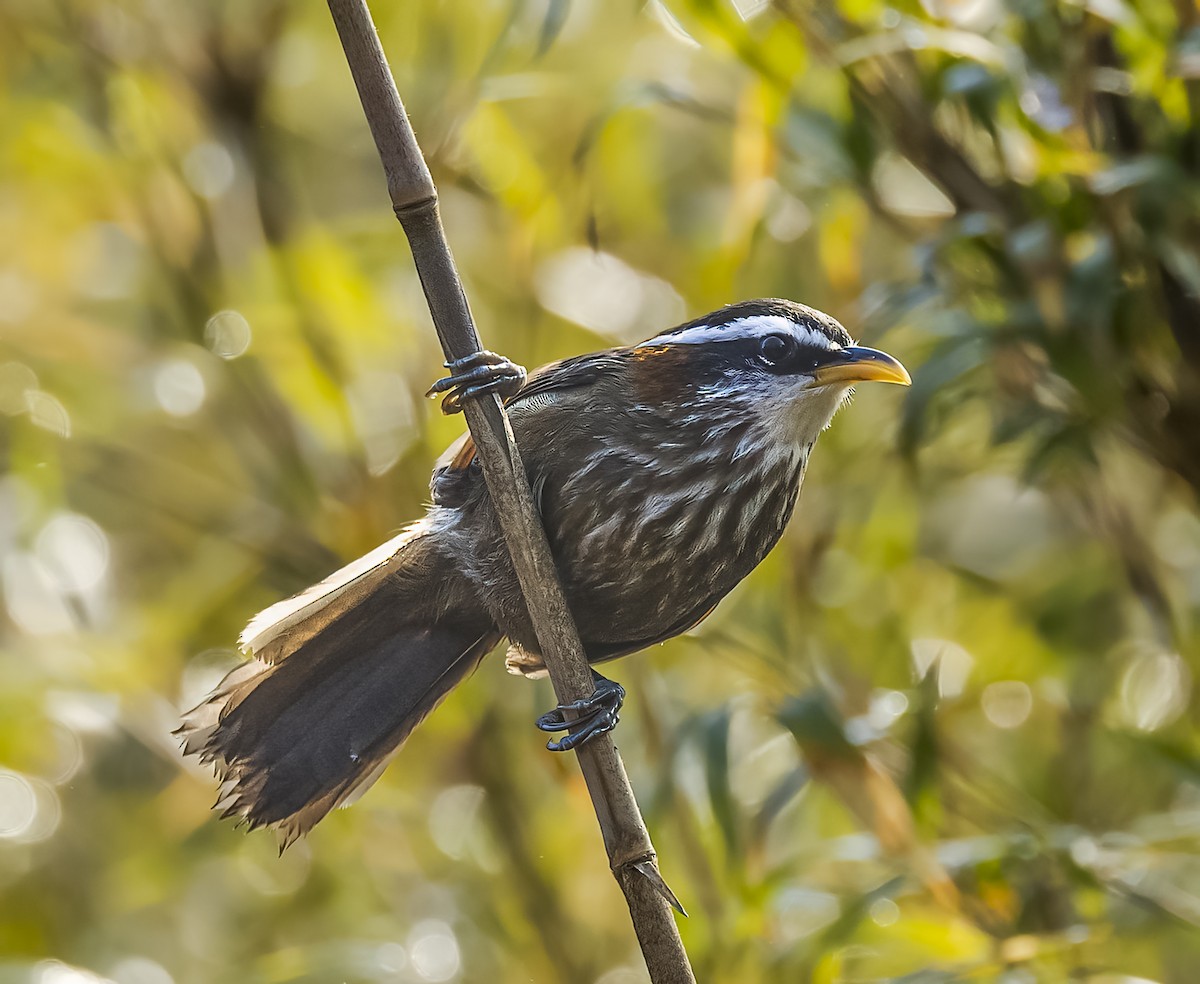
[946, 732]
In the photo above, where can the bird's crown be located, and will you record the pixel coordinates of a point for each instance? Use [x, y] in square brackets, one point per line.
[756, 320]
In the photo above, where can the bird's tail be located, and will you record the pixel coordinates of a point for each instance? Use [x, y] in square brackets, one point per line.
[342, 674]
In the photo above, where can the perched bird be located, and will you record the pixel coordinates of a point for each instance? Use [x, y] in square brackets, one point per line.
[664, 473]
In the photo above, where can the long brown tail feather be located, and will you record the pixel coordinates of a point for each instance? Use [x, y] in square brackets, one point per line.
[292, 738]
[282, 628]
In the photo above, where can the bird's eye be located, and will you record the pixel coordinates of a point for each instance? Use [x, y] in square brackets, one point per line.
[774, 349]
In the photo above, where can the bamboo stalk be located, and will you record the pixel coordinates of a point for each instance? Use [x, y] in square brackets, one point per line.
[414, 199]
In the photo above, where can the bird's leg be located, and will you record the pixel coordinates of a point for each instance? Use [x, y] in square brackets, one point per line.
[587, 718]
[476, 375]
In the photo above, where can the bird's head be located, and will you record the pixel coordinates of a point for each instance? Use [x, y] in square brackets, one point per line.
[787, 365]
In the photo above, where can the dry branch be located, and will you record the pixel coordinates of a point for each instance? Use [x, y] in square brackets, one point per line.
[414, 199]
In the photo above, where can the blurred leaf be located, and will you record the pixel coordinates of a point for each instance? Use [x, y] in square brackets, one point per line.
[786, 790]
[855, 911]
[557, 12]
[813, 719]
[1131, 174]
[714, 732]
[923, 766]
[937, 376]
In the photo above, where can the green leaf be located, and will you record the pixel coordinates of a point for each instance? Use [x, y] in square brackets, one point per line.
[557, 12]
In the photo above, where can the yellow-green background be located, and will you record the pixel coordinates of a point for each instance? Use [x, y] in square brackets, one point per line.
[946, 732]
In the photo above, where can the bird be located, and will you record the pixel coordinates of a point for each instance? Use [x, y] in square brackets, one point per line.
[664, 473]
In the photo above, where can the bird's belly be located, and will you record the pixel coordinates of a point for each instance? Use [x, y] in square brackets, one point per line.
[647, 566]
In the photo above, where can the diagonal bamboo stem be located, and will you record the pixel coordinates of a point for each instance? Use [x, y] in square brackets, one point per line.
[414, 199]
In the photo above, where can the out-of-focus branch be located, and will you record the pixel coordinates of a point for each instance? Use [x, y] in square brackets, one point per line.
[414, 199]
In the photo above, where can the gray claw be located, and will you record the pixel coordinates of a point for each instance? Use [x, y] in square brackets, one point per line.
[477, 375]
[587, 718]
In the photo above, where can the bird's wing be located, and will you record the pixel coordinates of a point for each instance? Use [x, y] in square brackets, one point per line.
[550, 381]
[545, 387]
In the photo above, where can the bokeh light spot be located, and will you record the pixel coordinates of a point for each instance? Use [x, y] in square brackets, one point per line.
[953, 664]
[452, 817]
[56, 972]
[1008, 703]
[179, 387]
[601, 292]
[74, 551]
[800, 912]
[29, 808]
[66, 757]
[209, 170]
[296, 58]
[32, 598]
[227, 334]
[433, 949]
[1155, 690]
[392, 958]
[884, 912]
[788, 218]
[975, 15]
[18, 804]
[885, 707]
[382, 408]
[140, 970]
[48, 413]
[83, 711]
[995, 527]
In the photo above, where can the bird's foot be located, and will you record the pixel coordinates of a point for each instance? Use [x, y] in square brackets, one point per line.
[587, 718]
[477, 375]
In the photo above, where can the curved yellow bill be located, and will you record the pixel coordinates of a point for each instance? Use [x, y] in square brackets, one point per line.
[860, 364]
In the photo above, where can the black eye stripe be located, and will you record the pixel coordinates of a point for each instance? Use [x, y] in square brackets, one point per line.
[758, 355]
[782, 355]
